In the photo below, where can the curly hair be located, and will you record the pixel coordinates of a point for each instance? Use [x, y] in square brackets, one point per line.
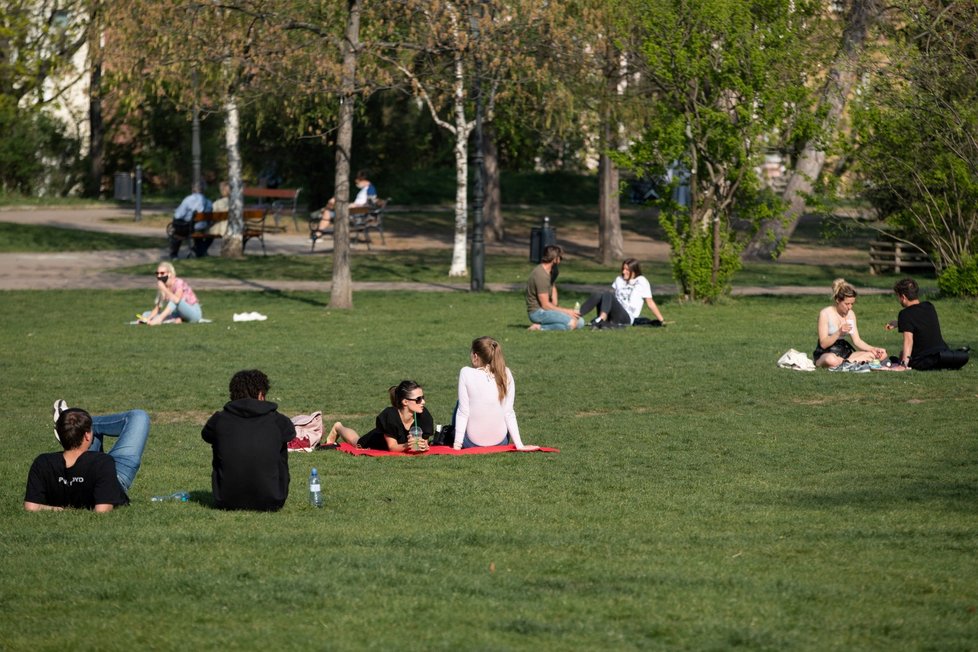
[249, 383]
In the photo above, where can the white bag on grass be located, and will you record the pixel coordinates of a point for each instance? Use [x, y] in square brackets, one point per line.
[796, 360]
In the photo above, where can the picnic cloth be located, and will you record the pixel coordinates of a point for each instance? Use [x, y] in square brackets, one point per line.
[202, 321]
[442, 450]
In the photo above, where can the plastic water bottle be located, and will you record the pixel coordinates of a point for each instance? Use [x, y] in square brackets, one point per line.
[315, 490]
[177, 497]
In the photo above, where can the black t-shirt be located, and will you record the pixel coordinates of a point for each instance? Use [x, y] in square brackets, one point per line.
[250, 466]
[921, 320]
[389, 423]
[89, 482]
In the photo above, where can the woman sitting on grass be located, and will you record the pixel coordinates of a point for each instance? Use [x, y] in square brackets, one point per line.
[486, 393]
[175, 299]
[393, 426]
[623, 303]
[834, 323]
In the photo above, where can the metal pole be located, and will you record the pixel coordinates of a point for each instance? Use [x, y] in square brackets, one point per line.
[139, 193]
[195, 137]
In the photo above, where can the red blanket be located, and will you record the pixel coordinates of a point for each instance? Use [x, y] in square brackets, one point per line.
[442, 450]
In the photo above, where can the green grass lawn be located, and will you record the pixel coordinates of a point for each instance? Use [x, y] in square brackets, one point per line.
[47, 239]
[702, 499]
[431, 266]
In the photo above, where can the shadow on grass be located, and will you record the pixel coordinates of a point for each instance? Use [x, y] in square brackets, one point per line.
[202, 497]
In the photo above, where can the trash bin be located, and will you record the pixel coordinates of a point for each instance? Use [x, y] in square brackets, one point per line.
[123, 186]
[540, 238]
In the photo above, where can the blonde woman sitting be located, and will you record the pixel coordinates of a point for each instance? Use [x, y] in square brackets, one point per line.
[837, 321]
[175, 299]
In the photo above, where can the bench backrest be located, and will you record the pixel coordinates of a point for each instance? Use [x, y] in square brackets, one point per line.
[273, 193]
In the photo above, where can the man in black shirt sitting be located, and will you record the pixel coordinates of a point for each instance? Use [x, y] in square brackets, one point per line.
[249, 440]
[923, 345]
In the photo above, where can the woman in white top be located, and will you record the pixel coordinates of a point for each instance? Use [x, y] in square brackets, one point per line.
[624, 303]
[834, 323]
[486, 393]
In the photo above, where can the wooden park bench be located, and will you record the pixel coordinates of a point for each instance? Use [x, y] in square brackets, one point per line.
[899, 257]
[255, 226]
[281, 201]
[363, 220]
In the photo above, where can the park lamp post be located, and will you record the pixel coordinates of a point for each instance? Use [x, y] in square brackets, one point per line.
[195, 134]
[479, 225]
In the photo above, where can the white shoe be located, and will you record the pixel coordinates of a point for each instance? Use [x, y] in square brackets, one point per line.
[56, 410]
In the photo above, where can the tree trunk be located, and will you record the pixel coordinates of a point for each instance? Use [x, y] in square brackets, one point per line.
[611, 245]
[461, 130]
[773, 235]
[341, 295]
[96, 125]
[492, 210]
[232, 245]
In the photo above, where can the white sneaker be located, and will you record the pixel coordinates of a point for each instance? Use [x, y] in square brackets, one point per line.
[56, 410]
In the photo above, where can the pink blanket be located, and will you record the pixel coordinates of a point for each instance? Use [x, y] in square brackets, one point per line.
[442, 450]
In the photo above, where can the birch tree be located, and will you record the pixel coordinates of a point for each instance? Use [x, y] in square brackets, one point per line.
[199, 54]
[437, 46]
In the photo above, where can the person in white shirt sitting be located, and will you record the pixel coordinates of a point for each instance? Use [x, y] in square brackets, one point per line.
[623, 304]
[486, 394]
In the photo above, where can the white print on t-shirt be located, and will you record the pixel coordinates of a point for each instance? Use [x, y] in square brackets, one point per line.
[73, 480]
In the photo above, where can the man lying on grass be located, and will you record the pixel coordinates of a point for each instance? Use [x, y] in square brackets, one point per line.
[82, 476]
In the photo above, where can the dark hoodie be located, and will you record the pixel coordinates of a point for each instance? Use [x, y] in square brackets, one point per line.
[251, 460]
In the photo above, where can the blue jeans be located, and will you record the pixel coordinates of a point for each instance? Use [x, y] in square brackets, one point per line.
[132, 429]
[553, 320]
[189, 312]
[466, 443]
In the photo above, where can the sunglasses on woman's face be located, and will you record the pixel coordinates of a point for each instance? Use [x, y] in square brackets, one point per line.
[159, 274]
[417, 399]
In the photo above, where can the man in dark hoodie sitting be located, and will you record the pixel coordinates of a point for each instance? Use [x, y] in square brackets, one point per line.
[249, 437]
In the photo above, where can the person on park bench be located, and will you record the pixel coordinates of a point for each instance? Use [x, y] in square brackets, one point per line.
[250, 457]
[82, 476]
[366, 196]
[183, 222]
[541, 296]
[924, 347]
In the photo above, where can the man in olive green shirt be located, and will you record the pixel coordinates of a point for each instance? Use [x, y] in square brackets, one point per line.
[541, 296]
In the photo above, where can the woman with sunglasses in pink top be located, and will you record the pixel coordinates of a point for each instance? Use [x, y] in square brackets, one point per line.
[175, 299]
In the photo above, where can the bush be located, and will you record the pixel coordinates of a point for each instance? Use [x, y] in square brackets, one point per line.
[692, 257]
[960, 280]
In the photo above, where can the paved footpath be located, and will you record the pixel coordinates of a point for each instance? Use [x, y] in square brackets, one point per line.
[88, 270]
